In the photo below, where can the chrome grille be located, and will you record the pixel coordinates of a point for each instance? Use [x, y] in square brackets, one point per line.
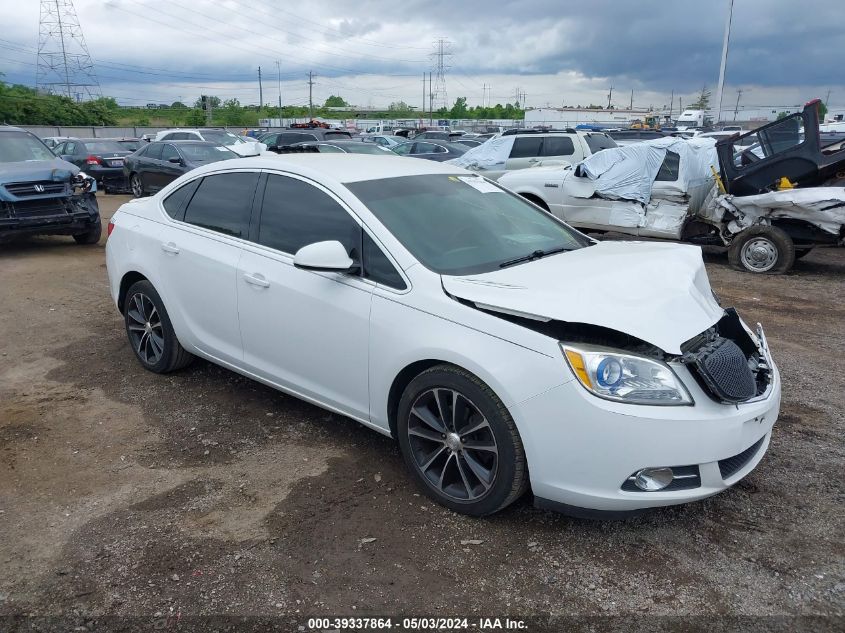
[26, 189]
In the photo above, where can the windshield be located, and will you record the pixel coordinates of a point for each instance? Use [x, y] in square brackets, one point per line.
[366, 148]
[19, 146]
[462, 225]
[206, 153]
[222, 137]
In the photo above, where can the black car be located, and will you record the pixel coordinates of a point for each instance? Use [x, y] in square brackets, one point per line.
[348, 147]
[41, 194]
[432, 150]
[281, 138]
[159, 163]
[100, 158]
[438, 135]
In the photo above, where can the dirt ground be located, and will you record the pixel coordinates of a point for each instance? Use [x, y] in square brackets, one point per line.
[124, 493]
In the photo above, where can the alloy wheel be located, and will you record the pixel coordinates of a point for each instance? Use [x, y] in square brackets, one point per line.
[759, 254]
[145, 329]
[452, 444]
[137, 188]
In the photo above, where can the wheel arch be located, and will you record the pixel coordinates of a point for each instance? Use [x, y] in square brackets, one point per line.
[129, 278]
[533, 197]
[400, 382]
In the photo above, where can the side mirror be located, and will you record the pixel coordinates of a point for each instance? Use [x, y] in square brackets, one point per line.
[175, 159]
[328, 256]
[66, 157]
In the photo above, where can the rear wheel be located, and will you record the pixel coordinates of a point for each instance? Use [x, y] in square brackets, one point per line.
[150, 332]
[137, 186]
[91, 235]
[460, 442]
[762, 249]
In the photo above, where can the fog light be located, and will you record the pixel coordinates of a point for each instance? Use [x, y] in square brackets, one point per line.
[651, 479]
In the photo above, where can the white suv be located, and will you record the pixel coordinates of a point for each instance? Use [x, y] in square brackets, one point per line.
[519, 149]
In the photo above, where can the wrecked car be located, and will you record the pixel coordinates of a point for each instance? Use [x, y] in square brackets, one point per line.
[666, 188]
[499, 347]
[42, 194]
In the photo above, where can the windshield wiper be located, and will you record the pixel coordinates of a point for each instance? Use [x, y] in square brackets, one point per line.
[532, 256]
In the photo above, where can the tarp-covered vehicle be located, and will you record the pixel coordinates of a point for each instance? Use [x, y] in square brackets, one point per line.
[666, 189]
[42, 194]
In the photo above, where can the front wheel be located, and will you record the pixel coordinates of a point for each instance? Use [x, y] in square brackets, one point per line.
[460, 442]
[150, 332]
[762, 249]
[91, 235]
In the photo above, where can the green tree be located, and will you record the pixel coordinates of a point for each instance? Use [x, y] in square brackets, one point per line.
[459, 110]
[703, 101]
[178, 105]
[822, 111]
[215, 102]
[335, 102]
[399, 107]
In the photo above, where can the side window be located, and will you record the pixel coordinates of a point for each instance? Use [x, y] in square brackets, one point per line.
[295, 214]
[69, 148]
[558, 146]
[425, 148]
[142, 151]
[526, 146]
[295, 137]
[222, 203]
[154, 151]
[168, 152]
[404, 148]
[170, 137]
[669, 170]
[174, 204]
[378, 268]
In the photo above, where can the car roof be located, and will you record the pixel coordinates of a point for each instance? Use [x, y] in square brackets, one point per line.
[11, 128]
[187, 142]
[341, 168]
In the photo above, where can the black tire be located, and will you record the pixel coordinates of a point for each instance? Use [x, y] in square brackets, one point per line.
[503, 453]
[91, 235]
[141, 330]
[136, 185]
[762, 249]
[802, 252]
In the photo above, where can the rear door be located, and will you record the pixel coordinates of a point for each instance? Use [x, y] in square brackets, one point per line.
[168, 171]
[199, 255]
[307, 331]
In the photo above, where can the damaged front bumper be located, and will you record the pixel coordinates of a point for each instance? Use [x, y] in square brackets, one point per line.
[69, 215]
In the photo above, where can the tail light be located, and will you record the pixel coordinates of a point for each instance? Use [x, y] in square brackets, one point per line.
[93, 160]
[110, 229]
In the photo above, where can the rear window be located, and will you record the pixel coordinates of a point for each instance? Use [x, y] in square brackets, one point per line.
[206, 153]
[104, 147]
[598, 142]
[558, 146]
[670, 168]
[337, 135]
[526, 146]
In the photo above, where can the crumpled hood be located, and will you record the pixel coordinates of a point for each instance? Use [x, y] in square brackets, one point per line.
[656, 292]
[29, 170]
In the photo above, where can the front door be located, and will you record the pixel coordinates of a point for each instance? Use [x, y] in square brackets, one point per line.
[304, 330]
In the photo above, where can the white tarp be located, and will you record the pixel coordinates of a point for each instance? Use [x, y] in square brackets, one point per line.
[491, 154]
[628, 172]
[822, 206]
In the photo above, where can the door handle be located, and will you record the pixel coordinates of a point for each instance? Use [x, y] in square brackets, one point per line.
[256, 280]
[533, 160]
[171, 248]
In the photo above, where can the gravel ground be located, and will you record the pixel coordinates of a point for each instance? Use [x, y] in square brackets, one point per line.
[123, 493]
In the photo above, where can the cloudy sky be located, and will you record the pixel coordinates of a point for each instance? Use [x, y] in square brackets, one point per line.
[373, 52]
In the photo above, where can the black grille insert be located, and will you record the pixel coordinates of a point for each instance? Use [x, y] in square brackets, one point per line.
[37, 208]
[723, 367]
[732, 465]
[25, 189]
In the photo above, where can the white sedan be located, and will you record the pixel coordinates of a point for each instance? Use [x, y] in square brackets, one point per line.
[501, 348]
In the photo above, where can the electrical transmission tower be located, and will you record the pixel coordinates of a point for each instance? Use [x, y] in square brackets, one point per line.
[440, 58]
[64, 63]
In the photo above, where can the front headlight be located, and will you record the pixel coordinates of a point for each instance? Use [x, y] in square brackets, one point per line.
[623, 377]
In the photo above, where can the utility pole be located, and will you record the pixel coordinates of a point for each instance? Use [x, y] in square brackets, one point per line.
[260, 91]
[609, 96]
[422, 115]
[736, 109]
[310, 88]
[279, 68]
[631, 107]
[430, 101]
[671, 104]
[440, 56]
[64, 63]
[724, 63]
